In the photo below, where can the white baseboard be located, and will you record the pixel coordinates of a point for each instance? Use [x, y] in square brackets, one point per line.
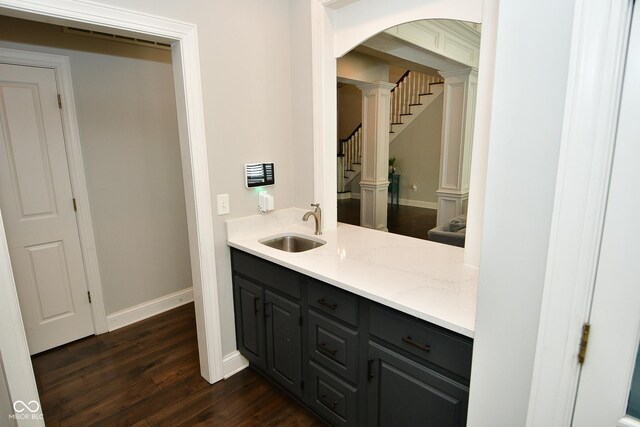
[148, 309]
[418, 204]
[233, 363]
[407, 202]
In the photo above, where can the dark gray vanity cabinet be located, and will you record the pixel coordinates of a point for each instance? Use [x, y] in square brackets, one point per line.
[268, 319]
[350, 360]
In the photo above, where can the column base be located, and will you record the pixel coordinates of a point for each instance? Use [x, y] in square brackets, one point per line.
[373, 205]
[450, 205]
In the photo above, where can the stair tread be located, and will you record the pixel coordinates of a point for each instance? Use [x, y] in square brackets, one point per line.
[397, 123]
[413, 105]
[406, 114]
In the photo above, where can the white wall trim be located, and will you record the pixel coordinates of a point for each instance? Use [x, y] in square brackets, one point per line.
[148, 309]
[234, 362]
[600, 35]
[62, 69]
[186, 69]
[21, 383]
[418, 203]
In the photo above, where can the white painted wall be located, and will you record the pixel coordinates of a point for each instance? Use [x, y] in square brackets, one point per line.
[129, 137]
[301, 108]
[417, 151]
[6, 407]
[521, 174]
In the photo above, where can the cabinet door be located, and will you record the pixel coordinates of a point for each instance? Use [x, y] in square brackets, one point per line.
[284, 352]
[402, 392]
[249, 311]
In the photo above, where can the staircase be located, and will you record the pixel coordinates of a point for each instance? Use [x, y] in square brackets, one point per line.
[411, 96]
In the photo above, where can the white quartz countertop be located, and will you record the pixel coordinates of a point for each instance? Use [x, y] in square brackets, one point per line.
[424, 279]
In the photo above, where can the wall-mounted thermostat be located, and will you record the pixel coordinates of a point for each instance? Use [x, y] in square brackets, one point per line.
[259, 174]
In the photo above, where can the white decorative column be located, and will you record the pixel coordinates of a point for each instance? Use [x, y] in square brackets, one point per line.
[460, 88]
[374, 184]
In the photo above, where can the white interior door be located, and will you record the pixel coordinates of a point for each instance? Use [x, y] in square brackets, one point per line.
[37, 206]
[605, 380]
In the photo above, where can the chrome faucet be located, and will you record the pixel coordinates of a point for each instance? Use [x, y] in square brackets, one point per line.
[317, 214]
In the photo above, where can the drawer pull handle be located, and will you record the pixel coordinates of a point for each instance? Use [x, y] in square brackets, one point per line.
[370, 371]
[331, 305]
[423, 347]
[323, 347]
[323, 397]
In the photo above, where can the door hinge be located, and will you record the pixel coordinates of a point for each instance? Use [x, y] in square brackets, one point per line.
[75, 206]
[59, 102]
[584, 340]
[89, 295]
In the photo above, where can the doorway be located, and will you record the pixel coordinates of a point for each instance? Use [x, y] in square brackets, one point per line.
[183, 40]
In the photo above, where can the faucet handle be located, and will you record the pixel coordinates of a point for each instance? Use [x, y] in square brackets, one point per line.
[315, 205]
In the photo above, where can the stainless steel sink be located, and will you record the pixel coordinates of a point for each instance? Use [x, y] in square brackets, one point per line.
[292, 242]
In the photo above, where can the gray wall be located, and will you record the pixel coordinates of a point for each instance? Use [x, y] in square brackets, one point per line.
[248, 71]
[349, 110]
[129, 138]
[417, 153]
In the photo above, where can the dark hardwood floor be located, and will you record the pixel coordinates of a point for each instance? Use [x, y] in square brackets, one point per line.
[147, 374]
[406, 220]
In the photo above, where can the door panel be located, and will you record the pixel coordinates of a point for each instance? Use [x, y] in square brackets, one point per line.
[404, 393]
[249, 299]
[37, 205]
[284, 356]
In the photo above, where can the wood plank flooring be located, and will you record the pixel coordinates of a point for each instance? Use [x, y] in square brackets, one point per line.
[406, 220]
[147, 374]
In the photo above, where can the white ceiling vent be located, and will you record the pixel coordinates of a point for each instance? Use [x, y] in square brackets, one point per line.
[116, 37]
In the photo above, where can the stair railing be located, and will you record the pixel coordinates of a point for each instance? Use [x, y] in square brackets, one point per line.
[351, 150]
[410, 87]
[407, 92]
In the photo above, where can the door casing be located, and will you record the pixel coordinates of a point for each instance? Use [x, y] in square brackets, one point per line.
[187, 80]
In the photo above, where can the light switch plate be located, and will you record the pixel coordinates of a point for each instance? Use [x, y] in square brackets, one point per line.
[223, 204]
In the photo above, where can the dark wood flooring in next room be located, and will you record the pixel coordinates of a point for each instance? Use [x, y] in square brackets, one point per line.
[147, 374]
[406, 220]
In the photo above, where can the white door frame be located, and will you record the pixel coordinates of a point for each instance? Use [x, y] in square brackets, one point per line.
[186, 70]
[598, 52]
[60, 66]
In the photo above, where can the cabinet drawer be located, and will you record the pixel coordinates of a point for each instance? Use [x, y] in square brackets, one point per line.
[265, 272]
[428, 342]
[335, 302]
[334, 346]
[332, 398]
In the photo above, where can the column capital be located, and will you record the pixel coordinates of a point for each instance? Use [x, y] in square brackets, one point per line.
[366, 87]
[460, 73]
